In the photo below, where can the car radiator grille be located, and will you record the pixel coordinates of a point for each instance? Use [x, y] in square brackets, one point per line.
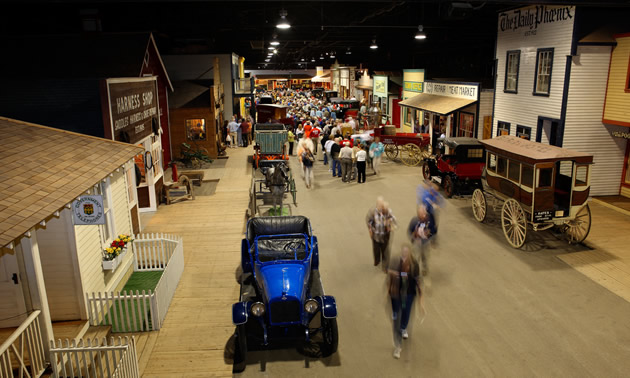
[285, 311]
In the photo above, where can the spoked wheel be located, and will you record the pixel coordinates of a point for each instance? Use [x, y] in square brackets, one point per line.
[410, 155]
[514, 223]
[426, 150]
[426, 171]
[252, 194]
[449, 186]
[479, 205]
[293, 190]
[578, 228]
[391, 151]
[330, 334]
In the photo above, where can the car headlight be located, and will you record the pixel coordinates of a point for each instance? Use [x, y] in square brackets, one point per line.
[258, 309]
[311, 306]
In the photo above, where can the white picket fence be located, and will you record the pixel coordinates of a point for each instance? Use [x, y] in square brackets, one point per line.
[93, 358]
[23, 351]
[142, 311]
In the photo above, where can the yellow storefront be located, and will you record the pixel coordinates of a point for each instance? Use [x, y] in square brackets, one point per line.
[617, 105]
[413, 81]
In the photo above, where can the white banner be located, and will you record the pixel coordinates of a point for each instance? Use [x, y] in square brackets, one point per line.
[467, 91]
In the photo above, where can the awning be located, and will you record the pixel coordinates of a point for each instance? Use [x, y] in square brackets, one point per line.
[321, 78]
[436, 104]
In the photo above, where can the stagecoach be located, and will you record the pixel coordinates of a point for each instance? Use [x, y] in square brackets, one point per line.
[535, 185]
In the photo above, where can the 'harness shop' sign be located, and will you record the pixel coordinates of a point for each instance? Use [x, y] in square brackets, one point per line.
[133, 108]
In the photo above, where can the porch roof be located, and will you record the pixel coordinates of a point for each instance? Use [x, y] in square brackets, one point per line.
[435, 103]
[42, 169]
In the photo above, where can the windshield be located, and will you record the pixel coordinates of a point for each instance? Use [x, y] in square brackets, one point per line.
[285, 247]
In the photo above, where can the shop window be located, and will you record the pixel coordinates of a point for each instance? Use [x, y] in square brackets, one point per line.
[544, 63]
[503, 128]
[514, 171]
[407, 119]
[524, 132]
[545, 176]
[491, 165]
[107, 230]
[527, 175]
[511, 71]
[501, 166]
[581, 175]
[466, 125]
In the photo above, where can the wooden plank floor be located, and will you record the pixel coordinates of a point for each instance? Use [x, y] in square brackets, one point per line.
[609, 262]
[198, 325]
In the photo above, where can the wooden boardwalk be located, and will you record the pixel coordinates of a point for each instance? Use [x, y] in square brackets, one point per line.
[193, 339]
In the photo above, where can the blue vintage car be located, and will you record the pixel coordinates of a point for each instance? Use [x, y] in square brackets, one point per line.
[282, 298]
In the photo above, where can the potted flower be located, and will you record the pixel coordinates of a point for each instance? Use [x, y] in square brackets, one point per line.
[113, 254]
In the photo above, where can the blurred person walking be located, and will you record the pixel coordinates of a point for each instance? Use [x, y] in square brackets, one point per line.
[421, 231]
[307, 161]
[345, 155]
[404, 286]
[376, 152]
[381, 222]
[361, 163]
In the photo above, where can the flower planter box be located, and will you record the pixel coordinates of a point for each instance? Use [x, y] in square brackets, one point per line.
[113, 264]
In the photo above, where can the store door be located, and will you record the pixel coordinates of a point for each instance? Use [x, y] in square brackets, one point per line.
[12, 306]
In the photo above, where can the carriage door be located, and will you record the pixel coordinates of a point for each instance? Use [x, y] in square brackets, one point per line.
[543, 193]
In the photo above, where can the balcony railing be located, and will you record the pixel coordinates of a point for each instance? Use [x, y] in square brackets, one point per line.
[23, 351]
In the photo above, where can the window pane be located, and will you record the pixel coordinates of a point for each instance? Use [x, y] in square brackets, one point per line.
[492, 162]
[527, 176]
[514, 173]
[501, 166]
[544, 177]
[581, 175]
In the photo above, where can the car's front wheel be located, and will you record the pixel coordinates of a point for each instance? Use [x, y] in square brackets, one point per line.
[240, 354]
[330, 334]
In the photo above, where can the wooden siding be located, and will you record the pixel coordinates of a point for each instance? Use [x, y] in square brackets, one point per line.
[523, 108]
[89, 248]
[486, 98]
[178, 130]
[584, 130]
[617, 99]
[62, 286]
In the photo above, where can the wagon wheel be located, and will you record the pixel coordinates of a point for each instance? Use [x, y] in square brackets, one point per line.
[449, 187]
[479, 205]
[293, 190]
[514, 223]
[410, 155]
[426, 150]
[426, 171]
[578, 228]
[391, 151]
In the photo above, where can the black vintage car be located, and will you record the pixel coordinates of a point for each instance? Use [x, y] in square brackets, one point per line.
[281, 297]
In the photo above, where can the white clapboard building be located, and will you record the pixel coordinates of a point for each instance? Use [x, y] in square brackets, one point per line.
[551, 86]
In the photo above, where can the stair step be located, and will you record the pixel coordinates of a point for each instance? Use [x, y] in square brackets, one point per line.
[97, 332]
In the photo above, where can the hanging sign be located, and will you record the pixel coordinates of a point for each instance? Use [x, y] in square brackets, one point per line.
[380, 86]
[467, 91]
[133, 105]
[412, 86]
[88, 210]
[530, 20]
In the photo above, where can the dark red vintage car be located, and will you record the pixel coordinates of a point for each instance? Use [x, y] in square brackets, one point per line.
[457, 166]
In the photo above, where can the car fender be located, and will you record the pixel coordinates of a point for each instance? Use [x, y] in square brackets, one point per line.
[240, 312]
[328, 306]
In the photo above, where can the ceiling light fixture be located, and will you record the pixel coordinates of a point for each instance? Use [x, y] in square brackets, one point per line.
[267, 60]
[312, 59]
[321, 57]
[275, 51]
[271, 48]
[348, 52]
[302, 59]
[274, 41]
[420, 34]
[332, 54]
[374, 46]
[283, 23]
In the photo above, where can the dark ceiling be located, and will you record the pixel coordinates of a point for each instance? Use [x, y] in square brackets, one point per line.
[460, 34]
